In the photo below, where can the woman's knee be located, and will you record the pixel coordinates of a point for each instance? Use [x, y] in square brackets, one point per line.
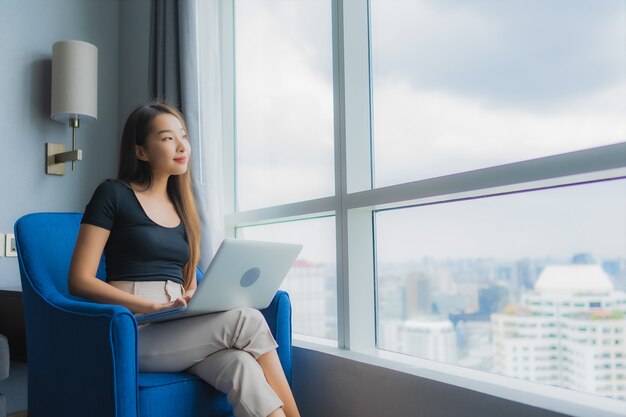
[252, 333]
[247, 316]
[253, 315]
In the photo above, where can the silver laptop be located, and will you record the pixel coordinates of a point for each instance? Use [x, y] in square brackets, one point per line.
[243, 273]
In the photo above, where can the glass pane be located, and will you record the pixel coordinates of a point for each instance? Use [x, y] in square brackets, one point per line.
[460, 85]
[284, 102]
[312, 281]
[529, 285]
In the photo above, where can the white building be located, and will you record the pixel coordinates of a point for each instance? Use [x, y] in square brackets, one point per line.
[568, 332]
[427, 337]
[596, 352]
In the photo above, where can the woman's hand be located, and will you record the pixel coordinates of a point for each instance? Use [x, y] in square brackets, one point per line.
[179, 302]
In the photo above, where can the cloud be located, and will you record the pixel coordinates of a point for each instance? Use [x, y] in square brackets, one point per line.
[423, 134]
[284, 103]
[266, 185]
[514, 53]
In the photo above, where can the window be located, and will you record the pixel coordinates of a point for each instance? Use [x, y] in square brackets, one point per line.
[443, 263]
[284, 120]
[445, 158]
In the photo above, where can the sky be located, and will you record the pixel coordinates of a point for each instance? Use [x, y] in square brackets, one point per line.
[460, 85]
[284, 101]
[555, 223]
[457, 85]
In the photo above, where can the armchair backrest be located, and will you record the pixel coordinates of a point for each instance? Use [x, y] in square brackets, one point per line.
[45, 243]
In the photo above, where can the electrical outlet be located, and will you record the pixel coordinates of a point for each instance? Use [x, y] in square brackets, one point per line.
[9, 245]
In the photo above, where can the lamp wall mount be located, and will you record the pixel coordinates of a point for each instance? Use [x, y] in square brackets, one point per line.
[56, 157]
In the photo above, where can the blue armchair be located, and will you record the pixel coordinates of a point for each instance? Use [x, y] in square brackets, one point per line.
[82, 356]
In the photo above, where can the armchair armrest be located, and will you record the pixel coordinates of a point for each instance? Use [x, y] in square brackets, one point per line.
[278, 317]
[62, 331]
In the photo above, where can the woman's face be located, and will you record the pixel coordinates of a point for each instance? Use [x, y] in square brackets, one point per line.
[166, 149]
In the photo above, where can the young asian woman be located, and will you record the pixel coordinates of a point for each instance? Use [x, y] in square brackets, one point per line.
[147, 224]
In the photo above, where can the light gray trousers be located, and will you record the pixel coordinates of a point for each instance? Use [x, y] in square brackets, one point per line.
[221, 348]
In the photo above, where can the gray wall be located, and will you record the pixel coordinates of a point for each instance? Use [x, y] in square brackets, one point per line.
[28, 29]
[120, 30]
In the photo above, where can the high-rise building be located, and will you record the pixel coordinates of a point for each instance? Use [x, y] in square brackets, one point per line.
[418, 301]
[569, 331]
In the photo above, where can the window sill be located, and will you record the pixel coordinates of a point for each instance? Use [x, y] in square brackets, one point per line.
[560, 400]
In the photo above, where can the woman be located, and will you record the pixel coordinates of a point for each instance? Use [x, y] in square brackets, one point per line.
[147, 224]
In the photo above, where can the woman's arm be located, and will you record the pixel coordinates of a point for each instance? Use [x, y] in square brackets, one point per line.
[82, 277]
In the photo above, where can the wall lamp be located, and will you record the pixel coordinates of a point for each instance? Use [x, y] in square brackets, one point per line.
[74, 97]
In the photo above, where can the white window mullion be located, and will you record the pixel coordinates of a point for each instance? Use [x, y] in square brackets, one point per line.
[599, 163]
[355, 286]
[343, 302]
[300, 210]
[362, 312]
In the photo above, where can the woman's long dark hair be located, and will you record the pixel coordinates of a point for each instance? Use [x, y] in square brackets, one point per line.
[179, 187]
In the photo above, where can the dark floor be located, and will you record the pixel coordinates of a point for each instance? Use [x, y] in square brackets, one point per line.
[14, 388]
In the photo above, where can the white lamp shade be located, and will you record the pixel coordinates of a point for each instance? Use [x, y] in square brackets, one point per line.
[74, 81]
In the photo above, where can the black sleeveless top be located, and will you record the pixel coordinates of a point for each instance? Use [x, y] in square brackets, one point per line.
[138, 249]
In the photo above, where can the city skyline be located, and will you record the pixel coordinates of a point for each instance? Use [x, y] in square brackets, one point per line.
[447, 317]
[507, 326]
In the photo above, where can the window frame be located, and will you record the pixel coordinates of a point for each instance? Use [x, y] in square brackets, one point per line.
[355, 203]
